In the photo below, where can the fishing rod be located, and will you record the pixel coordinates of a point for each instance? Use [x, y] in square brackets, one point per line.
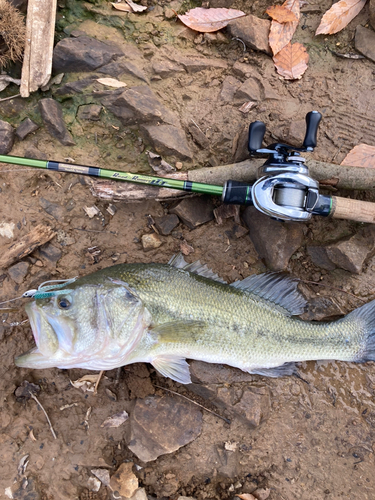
[284, 190]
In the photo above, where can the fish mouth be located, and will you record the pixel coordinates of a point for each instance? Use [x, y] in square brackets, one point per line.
[45, 338]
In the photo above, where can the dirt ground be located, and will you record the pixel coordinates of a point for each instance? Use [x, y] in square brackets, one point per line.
[318, 441]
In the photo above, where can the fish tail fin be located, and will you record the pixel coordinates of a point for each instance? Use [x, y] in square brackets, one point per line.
[363, 319]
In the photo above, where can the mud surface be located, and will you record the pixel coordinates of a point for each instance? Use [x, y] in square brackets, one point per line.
[317, 439]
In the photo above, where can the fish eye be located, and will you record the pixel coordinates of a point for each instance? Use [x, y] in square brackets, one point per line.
[64, 303]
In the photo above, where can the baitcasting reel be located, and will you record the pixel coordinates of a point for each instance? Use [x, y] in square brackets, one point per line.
[284, 190]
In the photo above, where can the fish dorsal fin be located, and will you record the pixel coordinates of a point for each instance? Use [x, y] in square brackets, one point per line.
[179, 262]
[276, 288]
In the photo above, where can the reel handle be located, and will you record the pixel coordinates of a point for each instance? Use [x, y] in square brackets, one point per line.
[256, 134]
[312, 123]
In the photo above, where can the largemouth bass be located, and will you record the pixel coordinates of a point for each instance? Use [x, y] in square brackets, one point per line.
[165, 314]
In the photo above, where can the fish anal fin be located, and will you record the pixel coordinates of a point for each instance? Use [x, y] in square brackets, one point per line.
[174, 367]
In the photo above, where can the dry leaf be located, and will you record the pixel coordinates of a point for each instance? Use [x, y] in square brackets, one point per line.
[111, 82]
[281, 14]
[362, 155]
[291, 61]
[116, 420]
[246, 496]
[124, 7]
[208, 20]
[339, 15]
[86, 383]
[135, 7]
[282, 33]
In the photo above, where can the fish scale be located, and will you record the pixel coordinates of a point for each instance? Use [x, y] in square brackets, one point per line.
[163, 314]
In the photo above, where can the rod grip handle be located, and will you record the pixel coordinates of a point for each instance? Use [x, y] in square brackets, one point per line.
[346, 208]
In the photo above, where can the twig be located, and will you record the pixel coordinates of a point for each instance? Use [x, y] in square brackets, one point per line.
[194, 402]
[45, 413]
[330, 286]
[10, 97]
[97, 382]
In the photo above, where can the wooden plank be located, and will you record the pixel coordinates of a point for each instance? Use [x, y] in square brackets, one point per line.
[40, 31]
[35, 238]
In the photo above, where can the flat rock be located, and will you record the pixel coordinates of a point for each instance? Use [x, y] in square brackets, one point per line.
[229, 88]
[54, 209]
[351, 254]
[244, 70]
[274, 241]
[49, 253]
[76, 87]
[51, 112]
[365, 42]
[198, 136]
[166, 223]
[117, 68]
[252, 405]
[253, 31]
[372, 13]
[19, 271]
[90, 112]
[249, 90]
[160, 425]
[7, 135]
[166, 68]
[195, 64]
[82, 54]
[139, 105]
[319, 256]
[167, 140]
[321, 309]
[25, 128]
[194, 211]
[124, 482]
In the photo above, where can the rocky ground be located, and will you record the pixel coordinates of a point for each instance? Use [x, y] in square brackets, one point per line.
[228, 432]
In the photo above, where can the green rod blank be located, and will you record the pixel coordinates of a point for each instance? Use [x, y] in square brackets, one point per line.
[116, 175]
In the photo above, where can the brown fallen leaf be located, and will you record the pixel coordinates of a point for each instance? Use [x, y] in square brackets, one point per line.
[362, 155]
[291, 61]
[339, 16]
[281, 14]
[209, 20]
[281, 33]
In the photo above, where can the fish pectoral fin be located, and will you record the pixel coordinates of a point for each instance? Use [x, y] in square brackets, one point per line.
[276, 371]
[179, 331]
[173, 367]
